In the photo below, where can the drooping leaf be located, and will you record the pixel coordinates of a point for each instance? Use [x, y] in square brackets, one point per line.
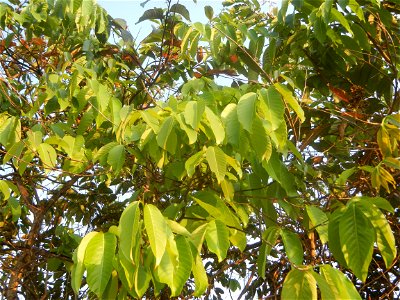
[260, 141]
[216, 125]
[166, 138]
[274, 109]
[194, 113]
[200, 276]
[111, 290]
[231, 123]
[216, 207]
[217, 162]
[340, 285]
[319, 221]
[180, 9]
[142, 280]
[116, 158]
[357, 237]
[270, 236]
[290, 99]
[246, 110]
[156, 228]
[193, 161]
[152, 14]
[79, 267]
[299, 284]
[208, 10]
[184, 267]
[278, 171]
[293, 246]
[334, 236]
[384, 234]
[99, 256]
[217, 237]
[128, 229]
[48, 155]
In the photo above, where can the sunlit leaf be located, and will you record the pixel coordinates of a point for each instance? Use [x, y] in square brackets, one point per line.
[99, 255]
[128, 229]
[156, 228]
[299, 284]
[246, 110]
[293, 247]
[217, 162]
[217, 237]
[357, 237]
[340, 285]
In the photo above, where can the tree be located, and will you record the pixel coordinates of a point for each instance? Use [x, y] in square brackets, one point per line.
[130, 169]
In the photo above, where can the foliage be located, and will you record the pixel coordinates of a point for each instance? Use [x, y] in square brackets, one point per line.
[258, 151]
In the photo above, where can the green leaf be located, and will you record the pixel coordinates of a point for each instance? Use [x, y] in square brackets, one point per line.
[192, 134]
[380, 202]
[103, 152]
[278, 171]
[246, 110]
[209, 11]
[79, 256]
[217, 237]
[99, 256]
[238, 239]
[156, 228]
[334, 236]
[15, 208]
[260, 141]
[151, 119]
[299, 284]
[293, 246]
[273, 108]
[319, 221]
[152, 14]
[217, 162]
[340, 285]
[341, 19]
[269, 237]
[128, 230]
[48, 156]
[10, 130]
[216, 126]
[142, 280]
[324, 287]
[194, 113]
[116, 158]
[342, 179]
[384, 234]
[111, 290]
[193, 161]
[166, 137]
[357, 237]
[200, 276]
[216, 207]
[184, 267]
[231, 122]
[180, 9]
[14, 152]
[288, 97]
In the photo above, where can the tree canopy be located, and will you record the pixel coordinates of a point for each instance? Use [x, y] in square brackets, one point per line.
[257, 153]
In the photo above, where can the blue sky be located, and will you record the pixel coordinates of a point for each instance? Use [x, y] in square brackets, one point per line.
[131, 11]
